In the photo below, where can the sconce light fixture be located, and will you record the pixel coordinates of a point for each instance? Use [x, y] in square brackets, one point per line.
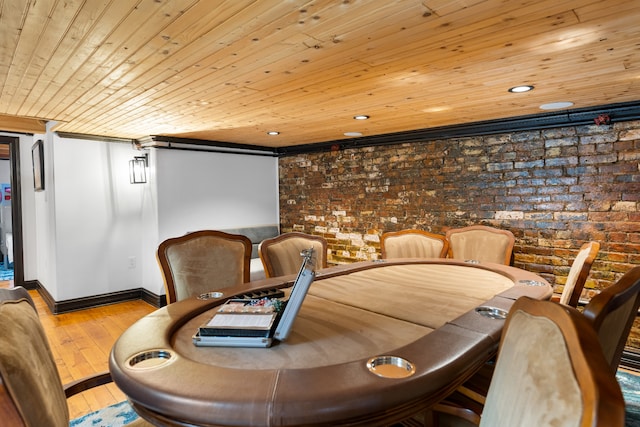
[138, 169]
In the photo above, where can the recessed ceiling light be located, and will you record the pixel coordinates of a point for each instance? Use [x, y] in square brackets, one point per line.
[273, 132]
[520, 89]
[353, 134]
[556, 105]
[361, 117]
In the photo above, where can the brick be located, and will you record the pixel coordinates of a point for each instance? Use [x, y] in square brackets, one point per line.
[581, 171]
[509, 215]
[570, 216]
[556, 133]
[599, 138]
[567, 198]
[605, 158]
[561, 142]
[529, 165]
[630, 134]
[499, 166]
[576, 206]
[561, 161]
[549, 172]
[624, 206]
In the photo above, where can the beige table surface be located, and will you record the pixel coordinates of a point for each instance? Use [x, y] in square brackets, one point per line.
[419, 310]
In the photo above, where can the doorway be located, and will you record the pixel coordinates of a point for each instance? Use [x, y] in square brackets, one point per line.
[11, 212]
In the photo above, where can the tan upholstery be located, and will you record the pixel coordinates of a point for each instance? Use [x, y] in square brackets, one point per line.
[612, 313]
[203, 261]
[473, 392]
[525, 392]
[481, 243]
[280, 255]
[413, 244]
[31, 392]
[579, 273]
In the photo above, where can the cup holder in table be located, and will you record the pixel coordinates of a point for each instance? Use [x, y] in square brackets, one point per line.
[492, 312]
[211, 295]
[390, 367]
[530, 283]
[150, 359]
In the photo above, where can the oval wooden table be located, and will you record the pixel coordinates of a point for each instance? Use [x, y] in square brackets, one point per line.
[421, 311]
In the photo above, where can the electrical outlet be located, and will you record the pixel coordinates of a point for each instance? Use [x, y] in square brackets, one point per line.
[132, 262]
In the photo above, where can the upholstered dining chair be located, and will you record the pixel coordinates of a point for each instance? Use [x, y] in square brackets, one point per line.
[280, 255]
[612, 313]
[31, 391]
[580, 390]
[203, 261]
[413, 244]
[481, 243]
[579, 273]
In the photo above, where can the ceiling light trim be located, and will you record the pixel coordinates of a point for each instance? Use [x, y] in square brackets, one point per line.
[556, 105]
[521, 89]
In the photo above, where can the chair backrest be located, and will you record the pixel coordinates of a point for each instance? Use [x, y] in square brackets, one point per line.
[280, 255]
[31, 391]
[551, 371]
[578, 274]
[203, 261]
[481, 243]
[612, 313]
[413, 244]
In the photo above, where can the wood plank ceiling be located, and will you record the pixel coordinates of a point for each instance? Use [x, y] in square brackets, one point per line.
[232, 70]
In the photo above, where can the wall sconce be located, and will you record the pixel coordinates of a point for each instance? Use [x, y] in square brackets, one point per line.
[138, 169]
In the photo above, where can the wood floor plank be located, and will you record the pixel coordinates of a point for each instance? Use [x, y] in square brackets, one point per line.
[81, 342]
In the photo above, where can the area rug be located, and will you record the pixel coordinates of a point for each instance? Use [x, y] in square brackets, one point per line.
[121, 414]
[630, 385]
[5, 274]
[117, 415]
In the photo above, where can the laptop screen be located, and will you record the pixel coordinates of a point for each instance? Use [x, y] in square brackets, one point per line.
[298, 292]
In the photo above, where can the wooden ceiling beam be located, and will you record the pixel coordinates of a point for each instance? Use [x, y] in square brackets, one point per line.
[22, 124]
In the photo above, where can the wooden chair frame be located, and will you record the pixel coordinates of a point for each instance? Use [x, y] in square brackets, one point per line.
[625, 291]
[268, 263]
[571, 293]
[508, 234]
[426, 234]
[603, 404]
[9, 412]
[165, 266]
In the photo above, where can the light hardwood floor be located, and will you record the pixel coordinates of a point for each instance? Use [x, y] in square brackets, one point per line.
[81, 342]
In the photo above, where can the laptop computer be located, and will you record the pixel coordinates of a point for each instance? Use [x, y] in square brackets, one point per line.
[257, 322]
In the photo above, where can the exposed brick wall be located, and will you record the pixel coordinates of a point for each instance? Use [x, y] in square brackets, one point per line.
[554, 189]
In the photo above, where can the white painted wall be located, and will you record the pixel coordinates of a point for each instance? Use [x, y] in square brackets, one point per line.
[81, 233]
[201, 190]
[97, 218]
[5, 172]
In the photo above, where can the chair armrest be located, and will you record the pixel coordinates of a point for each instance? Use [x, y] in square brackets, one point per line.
[87, 383]
[466, 416]
[471, 394]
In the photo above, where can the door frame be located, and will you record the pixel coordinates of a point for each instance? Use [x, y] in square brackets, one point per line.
[16, 208]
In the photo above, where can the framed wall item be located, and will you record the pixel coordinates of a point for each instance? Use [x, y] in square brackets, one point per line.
[37, 157]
